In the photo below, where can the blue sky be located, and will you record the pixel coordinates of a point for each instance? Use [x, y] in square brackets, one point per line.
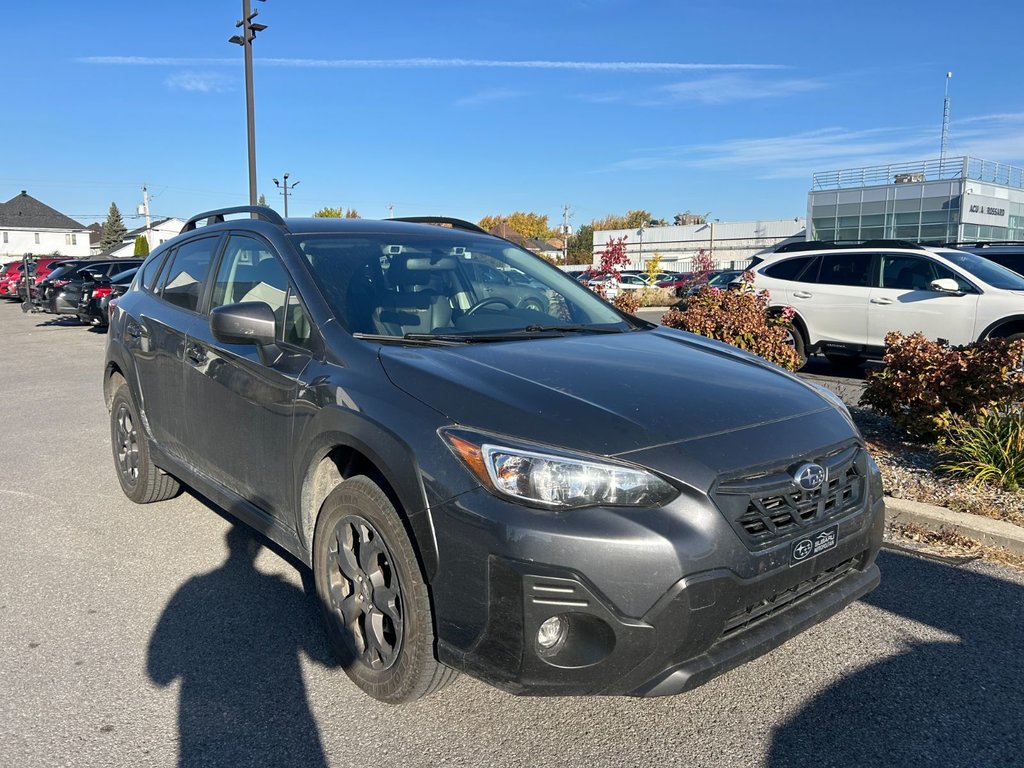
[469, 108]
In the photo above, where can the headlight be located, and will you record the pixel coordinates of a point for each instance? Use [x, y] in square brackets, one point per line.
[555, 480]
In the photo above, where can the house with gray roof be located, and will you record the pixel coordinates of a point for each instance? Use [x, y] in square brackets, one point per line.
[29, 226]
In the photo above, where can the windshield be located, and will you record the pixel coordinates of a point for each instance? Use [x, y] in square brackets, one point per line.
[985, 270]
[449, 283]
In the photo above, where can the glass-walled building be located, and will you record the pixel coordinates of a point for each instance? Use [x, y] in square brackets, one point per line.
[959, 199]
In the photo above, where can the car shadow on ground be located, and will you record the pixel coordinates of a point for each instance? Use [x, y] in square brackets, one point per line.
[233, 637]
[951, 702]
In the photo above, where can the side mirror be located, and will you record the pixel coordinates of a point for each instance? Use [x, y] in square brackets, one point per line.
[945, 285]
[251, 322]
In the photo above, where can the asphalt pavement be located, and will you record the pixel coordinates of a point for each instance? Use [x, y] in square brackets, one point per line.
[148, 635]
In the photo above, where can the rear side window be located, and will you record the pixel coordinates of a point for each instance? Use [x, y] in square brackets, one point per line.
[151, 270]
[853, 269]
[789, 269]
[181, 283]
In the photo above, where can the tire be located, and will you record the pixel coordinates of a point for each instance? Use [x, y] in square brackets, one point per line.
[140, 480]
[796, 340]
[844, 361]
[373, 595]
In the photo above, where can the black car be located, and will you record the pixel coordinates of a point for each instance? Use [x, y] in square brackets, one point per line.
[96, 297]
[66, 299]
[57, 279]
[484, 487]
[1009, 254]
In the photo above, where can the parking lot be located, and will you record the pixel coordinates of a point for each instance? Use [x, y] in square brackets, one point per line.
[141, 635]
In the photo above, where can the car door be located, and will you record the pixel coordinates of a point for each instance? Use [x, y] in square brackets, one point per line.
[902, 300]
[156, 340]
[834, 300]
[243, 438]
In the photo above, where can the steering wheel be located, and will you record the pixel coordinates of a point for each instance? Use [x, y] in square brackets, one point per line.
[487, 301]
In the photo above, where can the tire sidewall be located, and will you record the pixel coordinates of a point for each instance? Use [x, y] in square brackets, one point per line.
[406, 678]
[134, 491]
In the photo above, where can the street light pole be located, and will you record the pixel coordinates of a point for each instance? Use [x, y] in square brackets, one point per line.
[249, 30]
[285, 188]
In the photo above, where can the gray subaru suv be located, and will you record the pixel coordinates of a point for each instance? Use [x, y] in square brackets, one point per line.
[480, 486]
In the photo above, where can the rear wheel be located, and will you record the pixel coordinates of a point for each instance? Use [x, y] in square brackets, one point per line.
[140, 480]
[373, 595]
[795, 339]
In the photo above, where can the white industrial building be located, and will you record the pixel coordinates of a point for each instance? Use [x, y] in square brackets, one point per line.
[730, 244]
[28, 226]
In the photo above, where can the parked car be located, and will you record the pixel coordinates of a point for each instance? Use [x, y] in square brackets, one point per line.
[96, 298]
[630, 282]
[9, 277]
[721, 280]
[676, 283]
[608, 285]
[39, 269]
[66, 300]
[519, 292]
[56, 279]
[482, 487]
[1009, 254]
[847, 298]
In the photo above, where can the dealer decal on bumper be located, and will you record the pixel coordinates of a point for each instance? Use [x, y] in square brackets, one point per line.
[812, 546]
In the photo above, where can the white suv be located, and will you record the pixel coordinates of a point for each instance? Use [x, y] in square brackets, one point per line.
[847, 298]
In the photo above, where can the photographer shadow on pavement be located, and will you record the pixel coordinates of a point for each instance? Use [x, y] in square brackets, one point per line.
[952, 701]
[233, 636]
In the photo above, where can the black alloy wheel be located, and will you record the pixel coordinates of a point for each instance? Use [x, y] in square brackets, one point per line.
[140, 479]
[364, 592]
[373, 595]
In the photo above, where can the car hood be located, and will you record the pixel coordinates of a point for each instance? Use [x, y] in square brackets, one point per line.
[603, 394]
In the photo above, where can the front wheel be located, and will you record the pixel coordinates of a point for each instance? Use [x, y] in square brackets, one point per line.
[373, 595]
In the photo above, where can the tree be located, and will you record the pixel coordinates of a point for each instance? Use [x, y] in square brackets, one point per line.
[262, 200]
[337, 213]
[141, 246]
[113, 231]
[580, 249]
[653, 268]
[531, 225]
[634, 219]
[613, 256]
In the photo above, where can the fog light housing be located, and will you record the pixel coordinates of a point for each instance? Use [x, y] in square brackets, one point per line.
[552, 632]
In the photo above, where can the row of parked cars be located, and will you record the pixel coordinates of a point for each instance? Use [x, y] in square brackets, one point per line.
[62, 286]
[680, 284]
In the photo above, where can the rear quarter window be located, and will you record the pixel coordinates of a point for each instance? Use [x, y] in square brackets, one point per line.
[788, 269]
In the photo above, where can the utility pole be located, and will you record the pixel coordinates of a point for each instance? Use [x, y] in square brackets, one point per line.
[249, 30]
[945, 126]
[145, 211]
[285, 187]
[565, 233]
[391, 210]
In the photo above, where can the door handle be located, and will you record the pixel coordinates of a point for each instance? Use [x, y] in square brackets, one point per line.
[802, 295]
[881, 301]
[195, 353]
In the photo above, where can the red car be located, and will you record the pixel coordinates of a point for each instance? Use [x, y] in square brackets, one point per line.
[10, 280]
[676, 283]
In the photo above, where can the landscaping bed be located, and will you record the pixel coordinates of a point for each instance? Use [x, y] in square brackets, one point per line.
[908, 472]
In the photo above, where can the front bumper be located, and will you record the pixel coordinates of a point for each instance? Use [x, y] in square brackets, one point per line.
[705, 623]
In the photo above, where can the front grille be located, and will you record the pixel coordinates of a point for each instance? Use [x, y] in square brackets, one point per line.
[775, 603]
[768, 507]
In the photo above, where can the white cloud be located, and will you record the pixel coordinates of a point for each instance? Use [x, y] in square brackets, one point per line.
[730, 88]
[490, 96]
[198, 82]
[433, 63]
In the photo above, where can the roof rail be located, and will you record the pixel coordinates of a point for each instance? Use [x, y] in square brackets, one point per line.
[453, 223]
[983, 244]
[217, 216]
[816, 245]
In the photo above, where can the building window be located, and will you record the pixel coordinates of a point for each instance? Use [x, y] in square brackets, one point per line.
[5, 237]
[37, 238]
[67, 239]
[74, 239]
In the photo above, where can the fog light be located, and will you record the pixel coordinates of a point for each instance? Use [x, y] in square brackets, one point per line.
[551, 632]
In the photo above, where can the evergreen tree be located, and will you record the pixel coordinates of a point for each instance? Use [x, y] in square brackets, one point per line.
[113, 232]
[141, 246]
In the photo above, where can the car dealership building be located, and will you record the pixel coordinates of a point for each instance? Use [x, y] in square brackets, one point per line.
[958, 199]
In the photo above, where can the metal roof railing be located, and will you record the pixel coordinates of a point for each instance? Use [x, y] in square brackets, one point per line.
[950, 168]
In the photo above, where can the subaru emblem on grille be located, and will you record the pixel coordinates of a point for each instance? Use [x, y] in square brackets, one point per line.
[809, 477]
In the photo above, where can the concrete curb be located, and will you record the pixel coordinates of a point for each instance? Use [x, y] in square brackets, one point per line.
[996, 533]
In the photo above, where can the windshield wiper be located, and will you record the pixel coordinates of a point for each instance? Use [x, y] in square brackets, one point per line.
[571, 329]
[412, 338]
